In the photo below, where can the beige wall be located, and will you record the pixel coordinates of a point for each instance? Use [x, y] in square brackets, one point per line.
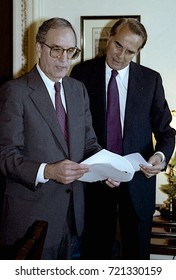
[157, 16]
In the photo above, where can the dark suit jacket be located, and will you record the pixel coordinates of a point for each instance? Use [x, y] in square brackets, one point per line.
[31, 135]
[146, 112]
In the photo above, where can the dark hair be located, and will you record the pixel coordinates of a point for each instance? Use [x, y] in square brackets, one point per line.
[52, 23]
[134, 25]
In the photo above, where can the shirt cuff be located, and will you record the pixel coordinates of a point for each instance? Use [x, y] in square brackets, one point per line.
[162, 156]
[40, 175]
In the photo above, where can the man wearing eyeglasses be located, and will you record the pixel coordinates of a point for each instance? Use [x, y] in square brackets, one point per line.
[41, 165]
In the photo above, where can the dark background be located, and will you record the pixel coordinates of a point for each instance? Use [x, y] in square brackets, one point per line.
[6, 58]
[6, 43]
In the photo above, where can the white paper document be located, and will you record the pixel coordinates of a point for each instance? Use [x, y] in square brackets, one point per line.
[106, 164]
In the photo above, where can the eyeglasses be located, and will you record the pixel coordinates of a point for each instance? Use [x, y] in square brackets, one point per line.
[58, 51]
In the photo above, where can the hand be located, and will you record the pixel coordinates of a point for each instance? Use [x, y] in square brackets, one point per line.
[65, 171]
[156, 167]
[111, 183]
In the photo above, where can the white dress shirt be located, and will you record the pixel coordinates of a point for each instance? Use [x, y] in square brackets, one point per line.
[122, 82]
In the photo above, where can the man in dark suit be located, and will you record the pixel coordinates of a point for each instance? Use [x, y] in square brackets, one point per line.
[40, 166]
[143, 111]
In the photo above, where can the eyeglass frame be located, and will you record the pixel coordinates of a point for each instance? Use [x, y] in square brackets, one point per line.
[75, 55]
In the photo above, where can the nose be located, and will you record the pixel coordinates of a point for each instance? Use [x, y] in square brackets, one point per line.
[121, 53]
[63, 56]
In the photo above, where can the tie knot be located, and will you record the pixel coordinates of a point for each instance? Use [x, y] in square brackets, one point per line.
[114, 73]
[57, 86]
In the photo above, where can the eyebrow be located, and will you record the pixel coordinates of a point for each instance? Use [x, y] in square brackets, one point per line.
[58, 46]
[117, 43]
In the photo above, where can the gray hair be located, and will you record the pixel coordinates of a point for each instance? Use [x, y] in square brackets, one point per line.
[53, 23]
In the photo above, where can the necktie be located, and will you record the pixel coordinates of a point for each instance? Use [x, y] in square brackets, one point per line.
[114, 130]
[60, 111]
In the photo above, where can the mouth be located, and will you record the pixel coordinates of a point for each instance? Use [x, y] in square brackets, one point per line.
[60, 66]
[117, 61]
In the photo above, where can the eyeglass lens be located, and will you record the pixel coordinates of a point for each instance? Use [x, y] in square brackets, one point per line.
[58, 51]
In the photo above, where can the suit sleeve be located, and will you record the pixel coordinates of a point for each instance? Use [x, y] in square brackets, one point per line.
[161, 118]
[13, 162]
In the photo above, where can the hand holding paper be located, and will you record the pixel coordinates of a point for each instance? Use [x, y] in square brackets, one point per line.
[106, 164]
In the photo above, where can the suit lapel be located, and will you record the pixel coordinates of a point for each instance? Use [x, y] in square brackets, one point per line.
[134, 95]
[100, 84]
[72, 114]
[98, 99]
[42, 101]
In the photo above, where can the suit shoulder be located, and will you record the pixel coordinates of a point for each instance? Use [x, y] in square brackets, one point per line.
[89, 64]
[144, 69]
[15, 84]
[22, 80]
[22, 84]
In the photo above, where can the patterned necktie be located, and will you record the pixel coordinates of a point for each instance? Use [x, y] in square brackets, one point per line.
[60, 111]
[114, 130]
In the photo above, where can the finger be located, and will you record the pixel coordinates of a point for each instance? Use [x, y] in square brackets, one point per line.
[111, 183]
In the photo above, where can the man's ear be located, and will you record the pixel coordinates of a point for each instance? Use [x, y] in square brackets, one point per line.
[38, 48]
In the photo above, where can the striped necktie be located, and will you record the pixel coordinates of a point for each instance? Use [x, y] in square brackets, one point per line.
[60, 111]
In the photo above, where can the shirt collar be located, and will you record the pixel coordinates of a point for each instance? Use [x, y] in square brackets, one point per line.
[122, 73]
[49, 83]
